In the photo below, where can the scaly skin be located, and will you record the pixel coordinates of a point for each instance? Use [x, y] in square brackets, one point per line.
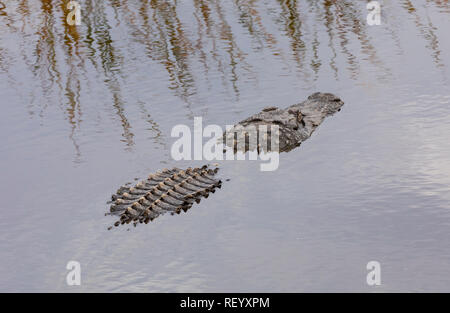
[296, 123]
[171, 190]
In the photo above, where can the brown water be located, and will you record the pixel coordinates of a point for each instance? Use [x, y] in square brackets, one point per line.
[85, 109]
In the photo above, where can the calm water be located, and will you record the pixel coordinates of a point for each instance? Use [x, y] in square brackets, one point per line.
[85, 109]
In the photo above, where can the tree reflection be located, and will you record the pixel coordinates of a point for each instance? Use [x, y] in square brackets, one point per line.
[197, 43]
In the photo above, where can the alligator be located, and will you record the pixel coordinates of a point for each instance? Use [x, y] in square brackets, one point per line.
[176, 190]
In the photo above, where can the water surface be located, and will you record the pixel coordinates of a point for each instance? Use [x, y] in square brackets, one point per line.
[85, 109]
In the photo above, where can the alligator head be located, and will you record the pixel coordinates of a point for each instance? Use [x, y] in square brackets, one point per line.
[294, 124]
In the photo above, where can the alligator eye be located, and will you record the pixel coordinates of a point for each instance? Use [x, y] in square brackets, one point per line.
[337, 100]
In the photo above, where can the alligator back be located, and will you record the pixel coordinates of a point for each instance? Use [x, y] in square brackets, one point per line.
[167, 191]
